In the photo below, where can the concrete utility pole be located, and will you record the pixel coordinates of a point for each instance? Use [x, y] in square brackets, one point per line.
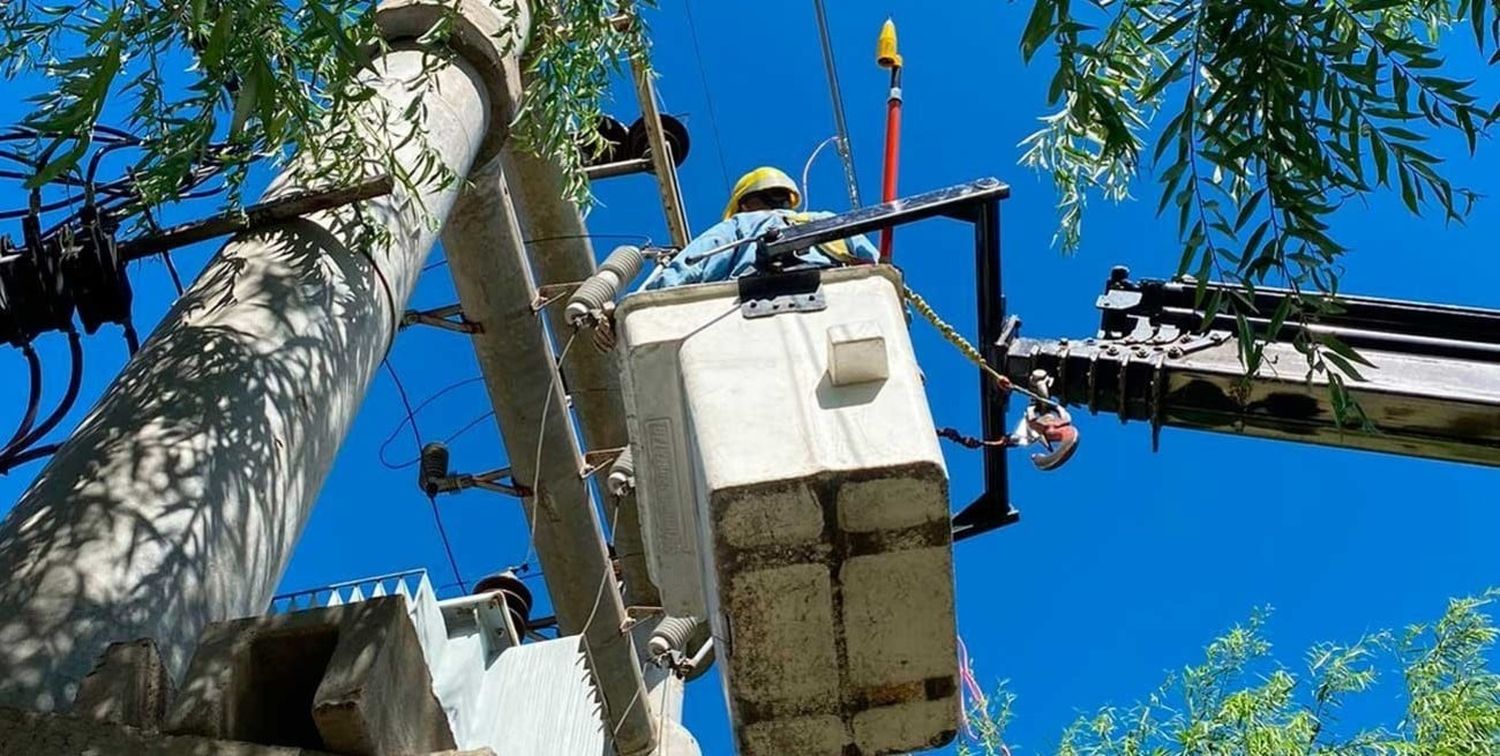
[496, 288]
[181, 496]
[561, 253]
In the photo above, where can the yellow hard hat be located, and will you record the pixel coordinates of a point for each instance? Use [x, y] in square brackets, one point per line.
[759, 180]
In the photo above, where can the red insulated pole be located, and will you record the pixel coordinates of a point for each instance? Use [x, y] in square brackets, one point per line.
[892, 156]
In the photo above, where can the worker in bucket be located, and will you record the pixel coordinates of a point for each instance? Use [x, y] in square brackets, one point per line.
[763, 200]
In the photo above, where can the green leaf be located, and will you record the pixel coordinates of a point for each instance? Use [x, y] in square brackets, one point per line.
[1344, 350]
[1173, 73]
[1248, 209]
[1170, 30]
[1382, 159]
[1038, 27]
[1345, 367]
[59, 165]
[218, 39]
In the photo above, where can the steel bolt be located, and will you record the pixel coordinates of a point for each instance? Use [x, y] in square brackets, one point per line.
[1174, 352]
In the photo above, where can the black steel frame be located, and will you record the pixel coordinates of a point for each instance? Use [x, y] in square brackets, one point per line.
[977, 203]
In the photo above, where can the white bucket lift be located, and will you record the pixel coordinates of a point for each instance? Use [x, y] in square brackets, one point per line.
[793, 491]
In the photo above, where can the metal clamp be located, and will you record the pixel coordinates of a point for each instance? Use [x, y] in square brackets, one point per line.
[440, 317]
[764, 308]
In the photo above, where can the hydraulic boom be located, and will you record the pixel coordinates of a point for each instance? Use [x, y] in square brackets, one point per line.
[1434, 390]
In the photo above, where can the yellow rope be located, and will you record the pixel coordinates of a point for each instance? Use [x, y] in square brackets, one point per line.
[951, 334]
[957, 340]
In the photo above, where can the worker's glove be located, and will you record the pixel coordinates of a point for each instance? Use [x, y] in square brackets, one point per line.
[604, 327]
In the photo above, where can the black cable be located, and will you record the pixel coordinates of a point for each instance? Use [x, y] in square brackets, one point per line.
[11, 463]
[468, 427]
[165, 255]
[537, 575]
[437, 515]
[75, 380]
[450, 438]
[132, 340]
[33, 397]
[172, 271]
[46, 208]
[412, 418]
[101, 133]
[713, 116]
[98, 157]
[118, 133]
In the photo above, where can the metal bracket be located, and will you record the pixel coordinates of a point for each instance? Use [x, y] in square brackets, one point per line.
[765, 308]
[978, 204]
[962, 202]
[546, 294]
[499, 481]
[441, 317]
[762, 296]
[599, 459]
[619, 168]
[490, 481]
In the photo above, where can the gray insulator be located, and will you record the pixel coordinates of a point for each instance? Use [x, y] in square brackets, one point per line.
[675, 634]
[622, 474]
[620, 268]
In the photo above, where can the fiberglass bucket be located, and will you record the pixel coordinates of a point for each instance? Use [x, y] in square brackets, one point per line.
[793, 492]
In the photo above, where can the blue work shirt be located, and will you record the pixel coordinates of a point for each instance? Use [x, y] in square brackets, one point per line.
[690, 266]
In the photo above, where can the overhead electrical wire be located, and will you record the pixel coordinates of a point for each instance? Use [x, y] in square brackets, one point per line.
[15, 453]
[846, 149]
[541, 434]
[713, 114]
[33, 396]
[807, 169]
[416, 433]
[411, 418]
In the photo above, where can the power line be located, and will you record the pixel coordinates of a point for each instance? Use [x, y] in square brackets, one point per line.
[713, 115]
[846, 150]
[437, 515]
[412, 419]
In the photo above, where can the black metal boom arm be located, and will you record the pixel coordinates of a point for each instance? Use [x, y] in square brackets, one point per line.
[1434, 390]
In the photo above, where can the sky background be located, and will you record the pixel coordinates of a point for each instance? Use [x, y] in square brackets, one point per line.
[1125, 562]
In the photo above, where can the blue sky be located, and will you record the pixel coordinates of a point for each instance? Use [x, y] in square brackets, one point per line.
[1126, 562]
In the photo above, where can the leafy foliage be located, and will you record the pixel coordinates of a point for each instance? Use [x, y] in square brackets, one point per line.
[1239, 701]
[573, 52]
[1257, 120]
[231, 83]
